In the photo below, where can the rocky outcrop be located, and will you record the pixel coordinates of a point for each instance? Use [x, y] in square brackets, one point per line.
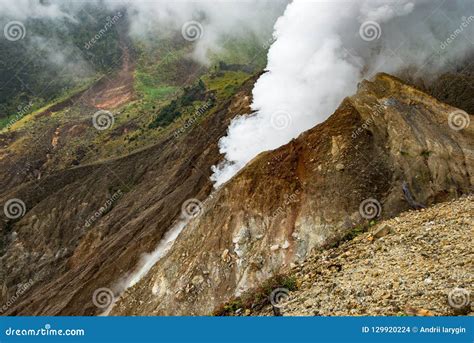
[386, 148]
[419, 263]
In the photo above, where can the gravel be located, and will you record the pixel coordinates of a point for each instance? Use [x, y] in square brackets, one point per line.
[420, 263]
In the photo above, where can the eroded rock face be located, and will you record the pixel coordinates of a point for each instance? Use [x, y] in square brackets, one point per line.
[70, 252]
[387, 144]
[413, 264]
[387, 141]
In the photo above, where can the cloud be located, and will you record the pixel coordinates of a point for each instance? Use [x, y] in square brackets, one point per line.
[218, 21]
[27, 9]
[323, 49]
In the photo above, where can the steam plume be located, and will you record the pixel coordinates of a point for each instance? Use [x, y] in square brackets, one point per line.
[322, 49]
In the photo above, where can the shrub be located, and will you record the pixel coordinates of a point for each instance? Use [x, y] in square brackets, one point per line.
[171, 112]
[259, 297]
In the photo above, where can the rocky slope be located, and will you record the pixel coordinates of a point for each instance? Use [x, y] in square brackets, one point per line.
[85, 227]
[419, 263]
[386, 149]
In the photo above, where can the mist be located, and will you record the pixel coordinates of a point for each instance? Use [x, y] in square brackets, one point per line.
[323, 49]
[28, 9]
[207, 24]
[59, 34]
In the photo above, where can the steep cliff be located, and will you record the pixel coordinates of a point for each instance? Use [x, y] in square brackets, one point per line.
[385, 150]
[417, 263]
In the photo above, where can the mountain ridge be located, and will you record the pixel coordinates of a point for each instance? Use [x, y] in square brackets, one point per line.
[70, 260]
[240, 243]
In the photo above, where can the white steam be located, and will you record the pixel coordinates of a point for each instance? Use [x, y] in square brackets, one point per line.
[322, 49]
[147, 261]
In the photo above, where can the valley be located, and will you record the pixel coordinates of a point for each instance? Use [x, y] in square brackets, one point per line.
[108, 175]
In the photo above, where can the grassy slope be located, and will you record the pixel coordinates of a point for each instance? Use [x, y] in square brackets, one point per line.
[52, 59]
[161, 74]
[159, 80]
[27, 113]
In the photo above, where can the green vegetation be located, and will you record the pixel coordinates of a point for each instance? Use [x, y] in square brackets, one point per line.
[249, 51]
[259, 297]
[153, 78]
[153, 93]
[216, 85]
[358, 230]
[353, 233]
[170, 89]
[158, 69]
[53, 59]
[172, 111]
[425, 153]
[224, 83]
[25, 113]
[5, 121]
[164, 103]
